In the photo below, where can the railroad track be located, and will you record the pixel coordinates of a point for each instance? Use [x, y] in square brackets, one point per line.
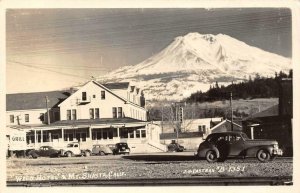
[200, 181]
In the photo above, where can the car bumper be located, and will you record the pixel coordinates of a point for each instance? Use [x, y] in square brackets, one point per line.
[277, 152]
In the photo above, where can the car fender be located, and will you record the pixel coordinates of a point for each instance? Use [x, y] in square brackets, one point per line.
[252, 151]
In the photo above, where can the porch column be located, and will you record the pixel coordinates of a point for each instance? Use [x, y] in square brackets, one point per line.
[90, 132]
[35, 138]
[42, 137]
[118, 132]
[252, 132]
[62, 134]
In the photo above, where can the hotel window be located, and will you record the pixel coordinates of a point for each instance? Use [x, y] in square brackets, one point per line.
[74, 115]
[92, 114]
[138, 133]
[143, 133]
[131, 133]
[114, 111]
[68, 137]
[84, 96]
[102, 95]
[69, 115]
[26, 117]
[12, 118]
[120, 112]
[202, 128]
[97, 113]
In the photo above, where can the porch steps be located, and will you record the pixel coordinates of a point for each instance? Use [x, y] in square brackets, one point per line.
[158, 146]
[145, 148]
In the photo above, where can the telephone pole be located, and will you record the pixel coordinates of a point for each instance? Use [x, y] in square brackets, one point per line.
[231, 111]
[48, 115]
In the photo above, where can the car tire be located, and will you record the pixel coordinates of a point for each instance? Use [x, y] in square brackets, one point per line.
[87, 154]
[101, 153]
[33, 156]
[211, 156]
[263, 155]
[68, 154]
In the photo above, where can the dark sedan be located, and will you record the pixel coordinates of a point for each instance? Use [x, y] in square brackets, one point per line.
[220, 146]
[121, 148]
[43, 151]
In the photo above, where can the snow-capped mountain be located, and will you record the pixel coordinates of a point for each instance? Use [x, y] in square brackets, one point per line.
[194, 61]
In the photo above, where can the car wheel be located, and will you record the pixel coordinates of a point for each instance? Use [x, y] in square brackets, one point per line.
[263, 155]
[30, 156]
[101, 153]
[69, 154]
[87, 154]
[211, 156]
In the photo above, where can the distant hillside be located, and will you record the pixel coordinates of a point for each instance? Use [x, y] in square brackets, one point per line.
[259, 87]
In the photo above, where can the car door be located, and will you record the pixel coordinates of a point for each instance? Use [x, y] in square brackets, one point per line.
[236, 144]
[41, 151]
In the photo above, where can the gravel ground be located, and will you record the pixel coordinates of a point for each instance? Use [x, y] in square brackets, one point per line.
[164, 165]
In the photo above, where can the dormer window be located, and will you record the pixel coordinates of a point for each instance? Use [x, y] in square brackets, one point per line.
[83, 96]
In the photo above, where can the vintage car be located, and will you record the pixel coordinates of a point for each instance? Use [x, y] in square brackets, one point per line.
[121, 148]
[43, 151]
[73, 149]
[220, 146]
[174, 146]
[99, 149]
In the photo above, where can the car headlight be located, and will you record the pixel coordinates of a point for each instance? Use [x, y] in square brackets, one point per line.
[275, 146]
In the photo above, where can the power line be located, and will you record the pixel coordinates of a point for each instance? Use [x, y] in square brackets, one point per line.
[62, 73]
[88, 68]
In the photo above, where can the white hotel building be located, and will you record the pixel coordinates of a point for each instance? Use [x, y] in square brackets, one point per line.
[94, 114]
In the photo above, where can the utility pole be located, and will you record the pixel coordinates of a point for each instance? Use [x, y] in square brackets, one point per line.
[231, 111]
[48, 115]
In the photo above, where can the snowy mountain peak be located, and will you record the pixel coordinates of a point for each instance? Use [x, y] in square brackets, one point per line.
[194, 61]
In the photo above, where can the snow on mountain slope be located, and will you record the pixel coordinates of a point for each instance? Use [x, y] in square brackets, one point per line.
[194, 61]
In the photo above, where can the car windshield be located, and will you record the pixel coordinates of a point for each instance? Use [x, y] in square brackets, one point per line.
[123, 145]
[70, 145]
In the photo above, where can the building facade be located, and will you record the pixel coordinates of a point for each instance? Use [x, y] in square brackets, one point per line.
[94, 114]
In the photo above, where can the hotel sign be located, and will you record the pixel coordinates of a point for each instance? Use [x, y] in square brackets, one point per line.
[17, 140]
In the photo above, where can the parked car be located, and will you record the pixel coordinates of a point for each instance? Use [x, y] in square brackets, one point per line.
[174, 146]
[121, 148]
[73, 149]
[43, 151]
[220, 146]
[100, 149]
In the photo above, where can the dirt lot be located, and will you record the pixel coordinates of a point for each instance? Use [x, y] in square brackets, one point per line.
[162, 165]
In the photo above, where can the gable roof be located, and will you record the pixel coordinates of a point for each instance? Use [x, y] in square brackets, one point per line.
[269, 112]
[35, 100]
[116, 85]
[100, 85]
[223, 122]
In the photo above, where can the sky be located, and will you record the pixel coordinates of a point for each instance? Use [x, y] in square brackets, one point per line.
[51, 49]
